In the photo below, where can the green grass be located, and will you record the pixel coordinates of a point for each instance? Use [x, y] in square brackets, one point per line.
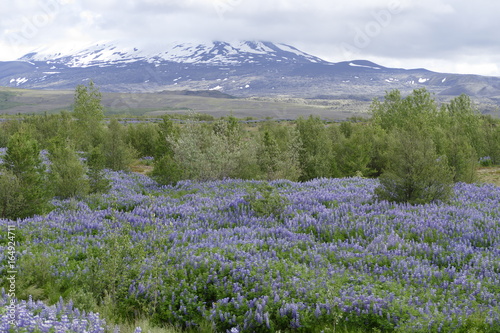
[6, 100]
[23, 101]
[147, 327]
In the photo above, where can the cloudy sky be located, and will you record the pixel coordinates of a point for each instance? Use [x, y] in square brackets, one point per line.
[457, 36]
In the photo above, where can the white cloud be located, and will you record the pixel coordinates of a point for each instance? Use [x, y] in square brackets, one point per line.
[431, 31]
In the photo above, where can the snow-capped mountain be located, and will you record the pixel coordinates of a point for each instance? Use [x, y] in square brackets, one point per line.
[242, 69]
[214, 53]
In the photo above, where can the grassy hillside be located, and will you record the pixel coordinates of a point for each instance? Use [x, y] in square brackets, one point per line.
[15, 101]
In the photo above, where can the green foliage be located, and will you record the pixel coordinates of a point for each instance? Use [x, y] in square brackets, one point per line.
[268, 155]
[247, 163]
[96, 163]
[459, 137]
[89, 114]
[67, 173]
[143, 138]
[315, 155]
[168, 133]
[264, 200]
[7, 100]
[454, 133]
[11, 195]
[354, 153]
[118, 154]
[23, 154]
[167, 171]
[415, 173]
[106, 266]
[228, 127]
[277, 162]
[310, 149]
[24, 162]
[88, 108]
[491, 134]
[7, 129]
[462, 157]
[380, 144]
[48, 126]
[417, 110]
[226, 148]
[31, 186]
[346, 129]
[35, 277]
[207, 154]
[465, 120]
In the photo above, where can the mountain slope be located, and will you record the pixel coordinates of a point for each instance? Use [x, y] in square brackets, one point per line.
[215, 53]
[243, 69]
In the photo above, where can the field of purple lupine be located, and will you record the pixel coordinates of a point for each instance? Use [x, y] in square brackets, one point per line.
[249, 256]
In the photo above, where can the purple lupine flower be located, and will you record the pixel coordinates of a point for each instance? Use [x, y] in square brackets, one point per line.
[447, 254]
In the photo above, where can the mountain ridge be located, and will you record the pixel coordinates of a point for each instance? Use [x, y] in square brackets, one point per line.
[241, 69]
[214, 53]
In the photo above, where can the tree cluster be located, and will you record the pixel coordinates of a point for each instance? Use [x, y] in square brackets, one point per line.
[416, 147]
[61, 155]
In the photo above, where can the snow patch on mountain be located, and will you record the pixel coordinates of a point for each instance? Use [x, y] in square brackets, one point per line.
[352, 64]
[106, 54]
[19, 81]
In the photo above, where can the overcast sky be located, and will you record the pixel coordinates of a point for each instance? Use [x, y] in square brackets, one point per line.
[456, 36]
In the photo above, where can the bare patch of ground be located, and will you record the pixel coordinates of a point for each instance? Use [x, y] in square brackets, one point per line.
[489, 175]
[141, 168]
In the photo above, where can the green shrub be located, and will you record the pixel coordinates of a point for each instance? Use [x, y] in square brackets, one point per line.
[353, 154]
[118, 154]
[96, 163]
[415, 173]
[315, 153]
[88, 128]
[264, 200]
[23, 160]
[67, 173]
[11, 196]
[143, 138]
[167, 171]
[276, 162]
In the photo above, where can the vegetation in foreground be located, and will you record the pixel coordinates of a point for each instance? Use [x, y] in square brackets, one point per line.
[252, 256]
